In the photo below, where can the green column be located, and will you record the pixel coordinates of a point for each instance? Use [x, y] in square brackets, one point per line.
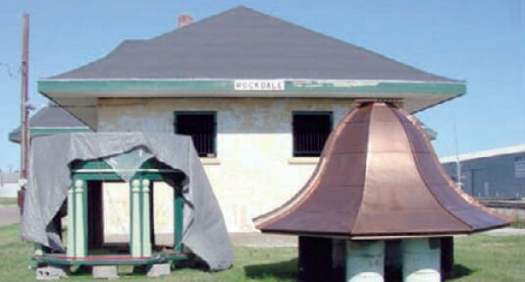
[146, 232]
[178, 223]
[71, 221]
[80, 219]
[135, 228]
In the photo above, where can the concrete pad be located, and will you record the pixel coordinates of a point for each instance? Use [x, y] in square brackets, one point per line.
[508, 231]
[105, 272]
[9, 215]
[260, 240]
[50, 273]
[157, 270]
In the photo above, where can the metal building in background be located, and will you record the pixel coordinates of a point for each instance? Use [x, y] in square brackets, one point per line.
[491, 174]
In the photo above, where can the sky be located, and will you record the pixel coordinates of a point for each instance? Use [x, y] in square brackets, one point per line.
[481, 42]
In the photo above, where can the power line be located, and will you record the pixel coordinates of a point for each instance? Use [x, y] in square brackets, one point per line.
[9, 70]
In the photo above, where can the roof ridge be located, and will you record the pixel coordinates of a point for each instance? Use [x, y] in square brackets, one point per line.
[338, 40]
[309, 30]
[198, 22]
[230, 36]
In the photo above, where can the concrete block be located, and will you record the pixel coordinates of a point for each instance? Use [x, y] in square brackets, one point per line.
[421, 260]
[105, 272]
[157, 270]
[50, 273]
[365, 261]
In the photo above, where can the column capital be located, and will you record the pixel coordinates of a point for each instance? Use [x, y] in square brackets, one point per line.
[145, 185]
[135, 185]
[79, 184]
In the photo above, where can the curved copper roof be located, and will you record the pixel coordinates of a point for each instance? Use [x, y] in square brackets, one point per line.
[378, 176]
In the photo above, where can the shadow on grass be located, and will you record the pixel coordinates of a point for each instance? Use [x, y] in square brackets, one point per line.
[459, 271]
[80, 270]
[279, 270]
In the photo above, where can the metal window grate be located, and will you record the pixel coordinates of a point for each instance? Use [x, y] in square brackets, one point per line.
[201, 126]
[310, 131]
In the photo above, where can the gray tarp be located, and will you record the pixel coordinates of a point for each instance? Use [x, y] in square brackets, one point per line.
[204, 228]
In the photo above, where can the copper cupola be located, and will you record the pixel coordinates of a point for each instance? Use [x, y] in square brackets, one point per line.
[379, 177]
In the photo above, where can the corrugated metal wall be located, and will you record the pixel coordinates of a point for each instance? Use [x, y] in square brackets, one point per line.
[498, 177]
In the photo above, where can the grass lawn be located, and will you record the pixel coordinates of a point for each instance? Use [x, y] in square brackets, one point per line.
[478, 258]
[7, 201]
[518, 224]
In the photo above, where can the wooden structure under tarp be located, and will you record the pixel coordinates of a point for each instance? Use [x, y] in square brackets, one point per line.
[132, 174]
[377, 181]
[85, 224]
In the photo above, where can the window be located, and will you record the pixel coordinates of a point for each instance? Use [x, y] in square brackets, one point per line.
[310, 131]
[201, 126]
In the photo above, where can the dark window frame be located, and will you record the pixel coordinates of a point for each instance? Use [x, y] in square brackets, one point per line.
[213, 153]
[300, 154]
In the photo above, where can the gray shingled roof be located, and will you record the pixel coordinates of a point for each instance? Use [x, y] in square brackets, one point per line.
[54, 116]
[243, 43]
[50, 117]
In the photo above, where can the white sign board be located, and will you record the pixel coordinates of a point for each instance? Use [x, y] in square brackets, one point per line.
[259, 85]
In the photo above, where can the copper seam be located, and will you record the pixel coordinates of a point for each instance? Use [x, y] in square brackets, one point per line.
[356, 217]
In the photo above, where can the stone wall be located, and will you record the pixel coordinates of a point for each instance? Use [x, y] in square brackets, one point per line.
[254, 171]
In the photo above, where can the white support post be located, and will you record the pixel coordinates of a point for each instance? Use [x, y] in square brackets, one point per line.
[146, 231]
[421, 260]
[80, 219]
[365, 261]
[71, 221]
[135, 237]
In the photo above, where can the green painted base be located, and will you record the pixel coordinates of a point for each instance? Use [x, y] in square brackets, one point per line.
[63, 260]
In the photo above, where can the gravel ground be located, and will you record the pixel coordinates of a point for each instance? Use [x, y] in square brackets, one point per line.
[509, 231]
[9, 215]
[256, 239]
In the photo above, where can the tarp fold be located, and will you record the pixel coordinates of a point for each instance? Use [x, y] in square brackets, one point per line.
[205, 232]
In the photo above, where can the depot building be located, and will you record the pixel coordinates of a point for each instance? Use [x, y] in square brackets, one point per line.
[258, 95]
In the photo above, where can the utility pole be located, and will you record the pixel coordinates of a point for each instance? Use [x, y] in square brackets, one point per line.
[24, 111]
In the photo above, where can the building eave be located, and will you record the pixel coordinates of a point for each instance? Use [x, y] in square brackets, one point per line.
[225, 88]
[78, 96]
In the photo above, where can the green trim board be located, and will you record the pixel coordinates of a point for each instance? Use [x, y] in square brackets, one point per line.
[160, 257]
[178, 218]
[145, 87]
